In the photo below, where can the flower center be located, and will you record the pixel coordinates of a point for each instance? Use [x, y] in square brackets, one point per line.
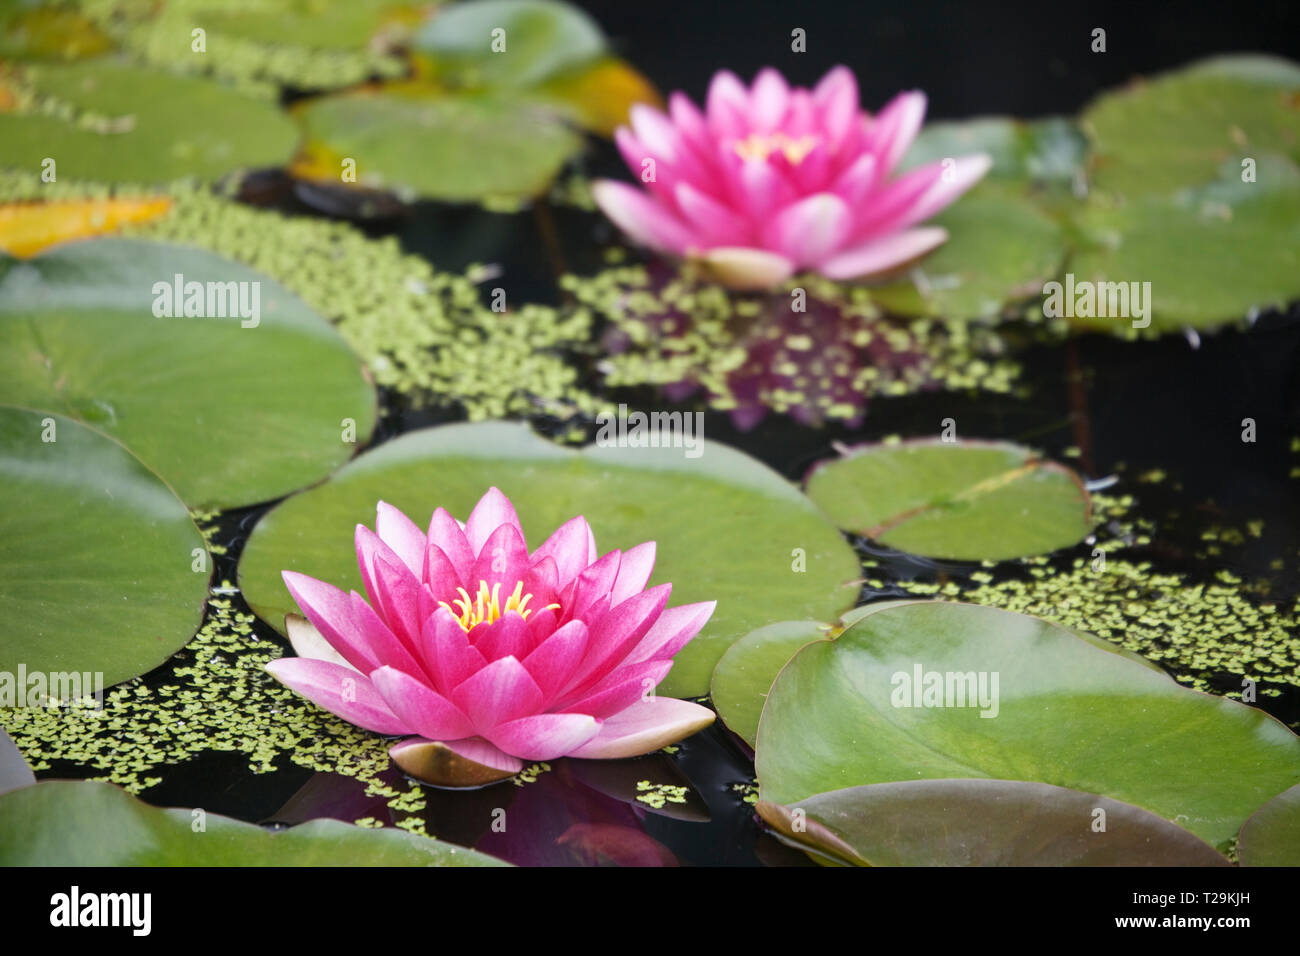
[485, 607]
[757, 146]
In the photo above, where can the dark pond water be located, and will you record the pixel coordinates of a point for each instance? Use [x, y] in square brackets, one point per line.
[1173, 405]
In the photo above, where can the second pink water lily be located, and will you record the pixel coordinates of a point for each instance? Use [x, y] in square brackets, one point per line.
[769, 180]
[498, 655]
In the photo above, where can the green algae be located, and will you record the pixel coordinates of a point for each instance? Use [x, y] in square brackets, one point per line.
[656, 795]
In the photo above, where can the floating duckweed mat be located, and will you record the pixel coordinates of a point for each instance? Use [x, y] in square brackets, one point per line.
[816, 350]
[424, 333]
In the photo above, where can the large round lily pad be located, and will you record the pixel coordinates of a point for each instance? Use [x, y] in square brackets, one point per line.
[984, 823]
[727, 527]
[507, 43]
[1271, 837]
[1177, 129]
[227, 411]
[965, 501]
[97, 559]
[84, 823]
[410, 140]
[137, 124]
[1047, 707]
[1200, 257]
[745, 673]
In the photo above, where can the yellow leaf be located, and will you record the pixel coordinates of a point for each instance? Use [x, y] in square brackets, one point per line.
[601, 94]
[26, 228]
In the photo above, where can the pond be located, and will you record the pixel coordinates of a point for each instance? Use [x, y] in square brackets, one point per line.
[1095, 514]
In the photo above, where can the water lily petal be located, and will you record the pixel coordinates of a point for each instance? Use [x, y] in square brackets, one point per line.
[671, 631]
[746, 268]
[555, 660]
[856, 182]
[612, 636]
[633, 572]
[330, 612]
[441, 575]
[492, 511]
[641, 218]
[595, 582]
[508, 636]
[339, 690]
[835, 100]
[503, 560]
[716, 222]
[690, 123]
[499, 692]
[447, 533]
[810, 230]
[419, 706]
[726, 107]
[380, 641]
[468, 762]
[964, 173]
[881, 255]
[896, 127]
[449, 657]
[619, 689]
[310, 643]
[400, 533]
[544, 736]
[644, 727]
[572, 546]
[768, 101]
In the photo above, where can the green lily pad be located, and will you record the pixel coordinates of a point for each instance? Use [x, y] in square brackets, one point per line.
[744, 674]
[414, 141]
[1177, 129]
[1051, 150]
[984, 823]
[315, 24]
[842, 714]
[1271, 837]
[84, 823]
[1210, 254]
[1002, 247]
[965, 501]
[537, 40]
[144, 126]
[726, 526]
[228, 415]
[97, 559]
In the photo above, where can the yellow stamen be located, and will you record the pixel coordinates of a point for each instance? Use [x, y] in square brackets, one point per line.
[757, 146]
[485, 607]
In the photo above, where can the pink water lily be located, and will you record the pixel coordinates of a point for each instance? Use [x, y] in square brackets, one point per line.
[490, 654]
[770, 180]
